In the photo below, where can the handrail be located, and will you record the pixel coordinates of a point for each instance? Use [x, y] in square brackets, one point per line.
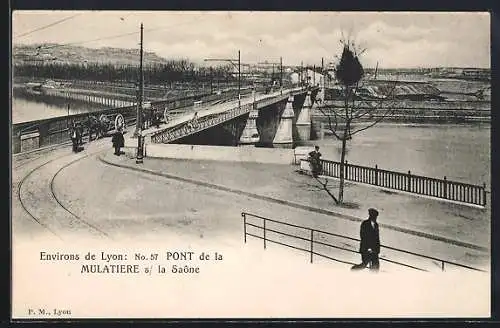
[312, 242]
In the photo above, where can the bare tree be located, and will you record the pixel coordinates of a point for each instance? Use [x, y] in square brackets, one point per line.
[356, 107]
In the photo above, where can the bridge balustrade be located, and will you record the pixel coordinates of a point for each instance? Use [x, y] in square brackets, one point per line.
[207, 121]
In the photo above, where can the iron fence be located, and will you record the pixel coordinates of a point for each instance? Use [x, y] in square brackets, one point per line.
[408, 182]
[314, 236]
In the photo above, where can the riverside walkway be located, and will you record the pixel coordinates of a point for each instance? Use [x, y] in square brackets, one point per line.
[94, 194]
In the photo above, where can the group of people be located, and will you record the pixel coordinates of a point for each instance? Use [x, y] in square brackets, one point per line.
[151, 118]
[76, 136]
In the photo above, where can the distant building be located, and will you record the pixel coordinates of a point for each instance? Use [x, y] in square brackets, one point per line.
[308, 75]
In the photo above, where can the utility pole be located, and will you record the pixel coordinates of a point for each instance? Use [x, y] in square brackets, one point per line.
[211, 80]
[68, 116]
[239, 79]
[314, 75]
[281, 75]
[140, 143]
[301, 72]
[236, 66]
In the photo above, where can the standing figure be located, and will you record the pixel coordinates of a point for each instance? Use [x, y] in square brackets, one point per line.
[193, 123]
[314, 159]
[74, 137]
[370, 242]
[79, 133]
[118, 141]
[157, 118]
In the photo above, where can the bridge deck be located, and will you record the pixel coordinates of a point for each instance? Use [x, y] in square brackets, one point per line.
[213, 109]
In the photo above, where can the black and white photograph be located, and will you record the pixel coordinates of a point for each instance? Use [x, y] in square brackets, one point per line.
[250, 164]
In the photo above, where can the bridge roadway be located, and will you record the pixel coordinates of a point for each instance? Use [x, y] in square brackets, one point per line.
[212, 109]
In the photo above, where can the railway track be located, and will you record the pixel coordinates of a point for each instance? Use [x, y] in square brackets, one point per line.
[37, 188]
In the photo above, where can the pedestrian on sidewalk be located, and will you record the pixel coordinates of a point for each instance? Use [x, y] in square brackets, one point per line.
[118, 141]
[157, 118]
[74, 136]
[370, 242]
[314, 159]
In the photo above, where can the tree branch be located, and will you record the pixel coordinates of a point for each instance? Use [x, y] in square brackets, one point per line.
[379, 102]
[330, 122]
[324, 185]
[390, 110]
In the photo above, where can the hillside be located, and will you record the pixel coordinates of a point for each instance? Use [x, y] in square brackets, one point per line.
[78, 54]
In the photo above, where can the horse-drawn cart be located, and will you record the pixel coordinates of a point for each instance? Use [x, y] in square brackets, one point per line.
[105, 125]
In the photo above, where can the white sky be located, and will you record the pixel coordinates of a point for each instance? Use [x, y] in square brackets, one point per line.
[392, 39]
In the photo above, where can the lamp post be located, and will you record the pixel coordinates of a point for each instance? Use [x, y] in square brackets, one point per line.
[68, 116]
[237, 66]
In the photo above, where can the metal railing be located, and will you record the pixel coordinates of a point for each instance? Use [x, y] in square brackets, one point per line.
[187, 128]
[408, 182]
[55, 130]
[312, 241]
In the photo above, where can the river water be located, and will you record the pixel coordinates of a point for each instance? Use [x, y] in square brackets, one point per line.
[459, 152]
[24, 110]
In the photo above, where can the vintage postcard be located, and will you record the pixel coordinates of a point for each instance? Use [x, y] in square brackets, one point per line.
[191, 164]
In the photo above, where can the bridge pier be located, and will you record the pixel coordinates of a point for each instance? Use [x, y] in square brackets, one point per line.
[284, 137]
[250, 134]
[303, 123]
[268, 122]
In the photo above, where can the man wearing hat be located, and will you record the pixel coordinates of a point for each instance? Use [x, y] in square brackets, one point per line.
[370, 242]
[118, 141]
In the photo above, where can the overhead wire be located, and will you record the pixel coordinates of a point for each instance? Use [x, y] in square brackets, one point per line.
[46, 26]
[116, 36]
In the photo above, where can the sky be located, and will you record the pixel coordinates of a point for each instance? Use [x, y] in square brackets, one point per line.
[394, 40]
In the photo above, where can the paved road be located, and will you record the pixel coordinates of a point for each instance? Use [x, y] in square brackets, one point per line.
[70, 196]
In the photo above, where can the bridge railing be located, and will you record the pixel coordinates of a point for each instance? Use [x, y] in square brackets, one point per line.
[408, 182]
[269, 228]
[194, 126]
[200, 124]
[55, 130]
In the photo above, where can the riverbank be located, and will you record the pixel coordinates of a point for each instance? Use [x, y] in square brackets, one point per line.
[444, 229]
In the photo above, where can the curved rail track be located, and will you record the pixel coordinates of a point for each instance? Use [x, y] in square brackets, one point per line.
[76, 220]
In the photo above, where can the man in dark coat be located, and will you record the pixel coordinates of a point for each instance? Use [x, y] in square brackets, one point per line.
[370, 242]
[79, 133]
[74, 136]
[315, 160]
[118, 141]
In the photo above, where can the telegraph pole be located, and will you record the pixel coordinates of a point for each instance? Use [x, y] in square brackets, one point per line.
[239, 79]
[211, 80]
[140, 143]
[301, 71]
[314, 75]
[68, 117]
[281, 75]
[232, 61]
[138, 124]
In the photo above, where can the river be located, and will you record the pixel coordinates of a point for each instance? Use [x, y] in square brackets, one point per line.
[459, 152]
[24, 109]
